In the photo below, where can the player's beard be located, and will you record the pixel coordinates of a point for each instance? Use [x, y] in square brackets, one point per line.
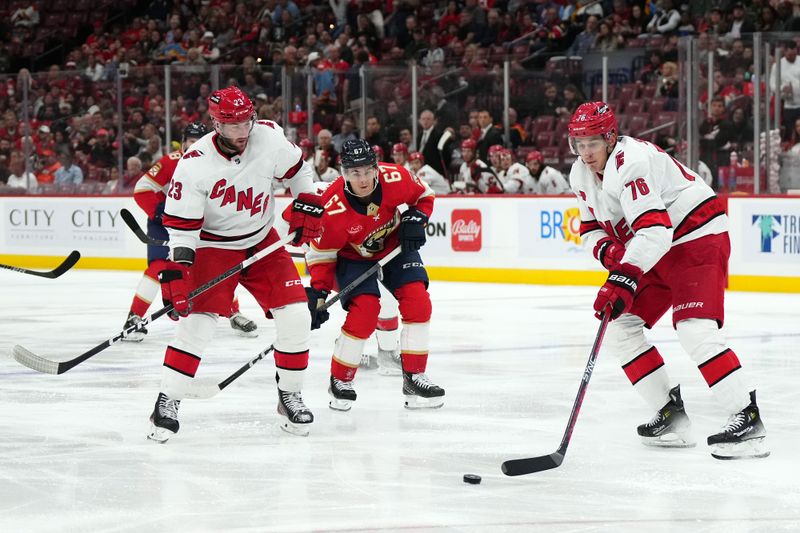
[233, 146]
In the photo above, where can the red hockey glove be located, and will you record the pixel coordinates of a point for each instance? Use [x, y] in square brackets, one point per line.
[307, 217]
[618, 291]
[609, 252]
[175, 283]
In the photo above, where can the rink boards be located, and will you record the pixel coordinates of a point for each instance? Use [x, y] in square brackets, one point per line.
[505, 239]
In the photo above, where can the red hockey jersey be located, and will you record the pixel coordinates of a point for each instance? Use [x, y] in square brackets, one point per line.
[151, 189]
[354, 230]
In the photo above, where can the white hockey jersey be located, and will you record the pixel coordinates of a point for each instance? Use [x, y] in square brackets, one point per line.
[227, 202]
[436, 181]
[517, 179]
[327, 176]
[550, 181]
[646, 200]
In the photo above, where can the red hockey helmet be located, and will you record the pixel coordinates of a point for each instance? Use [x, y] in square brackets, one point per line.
[230, 105]
[400, 147]
[416, 156]
[495, 149]
[378, 152]
[593, 118]
[469, 144]
[306, 144]
[535, 155]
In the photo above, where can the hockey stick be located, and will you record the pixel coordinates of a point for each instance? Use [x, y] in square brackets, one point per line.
[518, 467]
[65, 265]
[40, 364]
[208, 388]
[130, 221]
[360, 279]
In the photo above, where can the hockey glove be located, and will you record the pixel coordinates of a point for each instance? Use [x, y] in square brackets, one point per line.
[306, 217]
[609, 252]
[316, 299]
[412, 229]
[175, 282]
[618, 291]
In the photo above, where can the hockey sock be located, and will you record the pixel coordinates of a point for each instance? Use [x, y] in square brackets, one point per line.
[147, 289]
[291, 369]
[649, 378]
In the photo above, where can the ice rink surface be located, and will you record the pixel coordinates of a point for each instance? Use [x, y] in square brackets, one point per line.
[73, 453]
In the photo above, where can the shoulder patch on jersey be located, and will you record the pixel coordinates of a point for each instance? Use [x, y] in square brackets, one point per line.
[193, 153]
[620, 159]
[267, 123]
[154, 170]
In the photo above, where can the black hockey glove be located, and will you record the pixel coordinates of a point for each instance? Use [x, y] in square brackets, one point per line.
[412, 229]
[316, 299]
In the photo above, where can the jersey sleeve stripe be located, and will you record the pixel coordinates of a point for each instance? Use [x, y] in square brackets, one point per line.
[186, 224]
[589, 225]
[653, 217]
[292, 171]
[702, 214]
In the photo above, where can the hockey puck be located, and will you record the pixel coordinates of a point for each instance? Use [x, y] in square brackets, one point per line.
[472, 479]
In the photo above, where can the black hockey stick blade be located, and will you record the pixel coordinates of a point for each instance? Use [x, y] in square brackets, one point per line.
[130, 221]
[65, 265]
[519, 467]
[529, 465]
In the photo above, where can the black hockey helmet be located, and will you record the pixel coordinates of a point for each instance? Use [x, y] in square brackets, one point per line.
[194, 130]
[358, 153]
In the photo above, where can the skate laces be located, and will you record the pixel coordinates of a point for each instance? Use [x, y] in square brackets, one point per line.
[343, 385]
[735, 422]
[293, 401]
[422, 381]
[168, 408]
[655, 420]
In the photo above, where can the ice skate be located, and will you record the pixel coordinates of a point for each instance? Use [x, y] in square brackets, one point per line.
[420, 392]
[368, 362]
[342, 394]
[164, 420]
[243, 326]
[295, 417]
[742, 437]
[389, 363]
[134, 336]
[670, 427]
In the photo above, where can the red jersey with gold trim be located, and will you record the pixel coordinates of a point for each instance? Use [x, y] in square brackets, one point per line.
[645, 199]
[356, 230]
[151, 189]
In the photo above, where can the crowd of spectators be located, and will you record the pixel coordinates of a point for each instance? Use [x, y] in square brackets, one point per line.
[76, 137]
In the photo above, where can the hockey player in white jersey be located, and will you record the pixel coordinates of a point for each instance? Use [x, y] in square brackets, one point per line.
[663, 235]
[323, 172]
[400, 155]
[427, 174]
[220, 211]
[545, 179]
[515, 176]
[474, 175]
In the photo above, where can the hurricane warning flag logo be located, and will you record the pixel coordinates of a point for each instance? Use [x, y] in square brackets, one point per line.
[769, 225]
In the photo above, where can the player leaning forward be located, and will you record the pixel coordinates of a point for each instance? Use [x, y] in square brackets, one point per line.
[219, 211]
[663, 235]
[362, 225]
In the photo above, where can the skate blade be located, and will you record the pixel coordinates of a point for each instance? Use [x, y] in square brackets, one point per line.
[418, 402]
[301, 430]
[749, 449]
[338, 404]
[159, 435]
[670, 440]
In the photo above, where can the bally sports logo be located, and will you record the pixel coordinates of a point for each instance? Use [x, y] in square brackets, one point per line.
[465, 230]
